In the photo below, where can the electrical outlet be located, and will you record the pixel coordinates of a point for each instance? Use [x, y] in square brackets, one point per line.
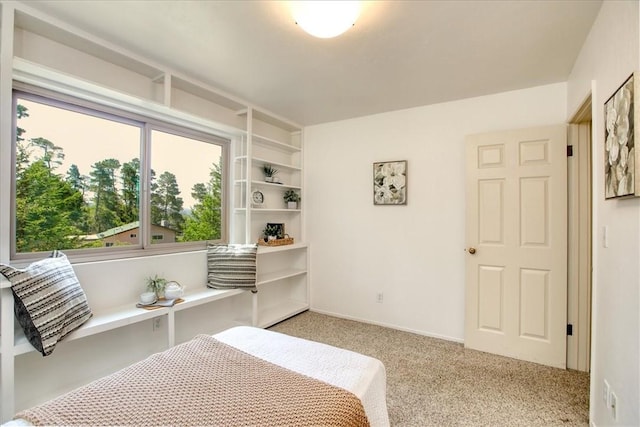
[613, 404]
[605, 393]
[157, 323]
[379, 297]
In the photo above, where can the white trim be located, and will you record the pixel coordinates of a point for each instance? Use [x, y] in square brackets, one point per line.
[37, 75]
[594, 398]
[7, 361]
[388, 325]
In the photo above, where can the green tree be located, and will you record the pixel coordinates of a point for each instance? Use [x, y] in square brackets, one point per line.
[130, 172]
[205, 221]
[166, 203]
[79, 183]
[22, 150]
[52, 155]
[106, 202]
[76, 180]
[47, 209]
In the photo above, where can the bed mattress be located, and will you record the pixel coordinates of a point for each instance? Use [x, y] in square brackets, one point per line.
[362, 375]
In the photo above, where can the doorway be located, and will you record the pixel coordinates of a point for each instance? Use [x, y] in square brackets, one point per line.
[579, 240]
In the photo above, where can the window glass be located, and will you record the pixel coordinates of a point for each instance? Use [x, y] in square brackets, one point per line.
[82, 175]
[77, 179]
[186, 189]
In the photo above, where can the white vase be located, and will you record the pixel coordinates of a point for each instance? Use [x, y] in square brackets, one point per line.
[268, 179]
[292, 205]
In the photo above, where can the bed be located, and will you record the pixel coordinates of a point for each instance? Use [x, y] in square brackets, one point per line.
[241, 376]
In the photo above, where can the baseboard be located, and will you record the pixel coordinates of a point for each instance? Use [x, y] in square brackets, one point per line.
[388, 325]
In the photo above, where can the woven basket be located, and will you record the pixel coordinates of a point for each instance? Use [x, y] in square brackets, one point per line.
[276, 242]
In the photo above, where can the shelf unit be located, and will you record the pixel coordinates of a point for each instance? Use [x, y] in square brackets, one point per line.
[283, 286]
[42, 51]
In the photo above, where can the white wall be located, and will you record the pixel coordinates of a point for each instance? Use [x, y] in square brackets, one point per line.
[413, 254]
[607, 59]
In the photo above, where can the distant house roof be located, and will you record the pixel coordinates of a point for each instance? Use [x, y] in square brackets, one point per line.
[117, 230]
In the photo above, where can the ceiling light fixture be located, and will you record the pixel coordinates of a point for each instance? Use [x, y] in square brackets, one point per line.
[325, 19]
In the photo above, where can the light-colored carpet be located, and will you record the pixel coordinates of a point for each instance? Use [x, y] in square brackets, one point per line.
[432, 382]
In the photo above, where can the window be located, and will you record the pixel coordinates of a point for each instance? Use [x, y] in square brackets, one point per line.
[179, 163]
[88, 177]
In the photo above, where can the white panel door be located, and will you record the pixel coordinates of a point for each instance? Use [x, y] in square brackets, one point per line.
[516, 260]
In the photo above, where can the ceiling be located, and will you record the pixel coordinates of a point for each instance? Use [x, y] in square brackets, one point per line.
[399, 54]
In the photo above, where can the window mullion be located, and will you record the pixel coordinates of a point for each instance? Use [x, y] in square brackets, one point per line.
[145, 197]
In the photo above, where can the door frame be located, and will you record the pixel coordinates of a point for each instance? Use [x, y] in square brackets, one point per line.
[580, 237]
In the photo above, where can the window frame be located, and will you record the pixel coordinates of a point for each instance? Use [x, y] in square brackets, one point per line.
[147, 124]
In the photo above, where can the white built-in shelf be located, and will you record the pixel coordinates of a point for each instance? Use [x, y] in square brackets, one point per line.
[266, 278]
[282, 248]
[268, 184]
[272, 143]
[262, 162]
[103, 321]
[265, 210]
[204, 296]
[286, 308]
[271, 119]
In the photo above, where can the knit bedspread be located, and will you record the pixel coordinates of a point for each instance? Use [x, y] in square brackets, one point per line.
[202, 382]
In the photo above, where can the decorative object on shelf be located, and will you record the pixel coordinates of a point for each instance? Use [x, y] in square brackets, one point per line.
[390, 183]
[232, 266]
[156, 284]
[274, 235]
[147, 298]
[292, 198]
[286, 240]
[257, 199]
[621, 158]
[275, 230]
[270, 232]
[269, 173]
[173, 290]
[49, 301]
[159, 303]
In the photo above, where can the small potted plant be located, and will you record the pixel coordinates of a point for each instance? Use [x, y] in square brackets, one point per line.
[292, 198]
[270, 232]
[269, 172]
[156, 284]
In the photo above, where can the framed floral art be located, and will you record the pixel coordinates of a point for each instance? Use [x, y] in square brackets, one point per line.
[620, 154]
[390, 183]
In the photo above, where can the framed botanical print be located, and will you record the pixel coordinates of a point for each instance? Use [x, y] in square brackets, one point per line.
[621, 157]
[390, 183]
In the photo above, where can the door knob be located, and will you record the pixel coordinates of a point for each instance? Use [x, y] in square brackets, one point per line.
[472, 251]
